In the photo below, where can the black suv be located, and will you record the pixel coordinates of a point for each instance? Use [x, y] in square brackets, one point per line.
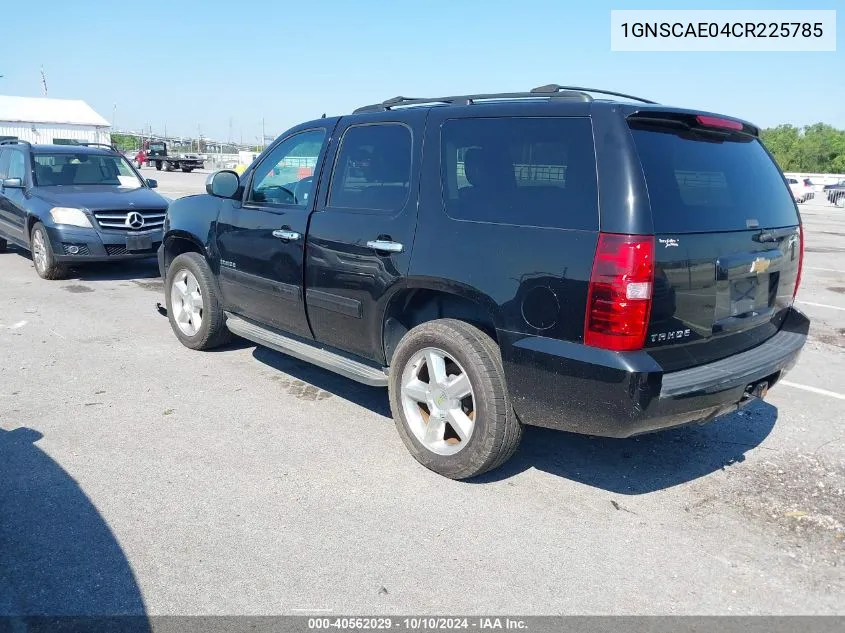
[71, 204]
[606, 266]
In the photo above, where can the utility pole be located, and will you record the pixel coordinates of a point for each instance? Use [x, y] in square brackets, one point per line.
[113, 116]
[43, 82]
[230, 130]
[262, 134]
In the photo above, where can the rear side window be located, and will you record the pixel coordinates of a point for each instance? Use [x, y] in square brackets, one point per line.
[525, 171]
[373, 168]
[707, 183]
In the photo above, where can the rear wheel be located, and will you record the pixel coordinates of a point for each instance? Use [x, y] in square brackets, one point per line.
[450, 401]
[187, 170]
[42, 255]
[3, 245]
[193, 304]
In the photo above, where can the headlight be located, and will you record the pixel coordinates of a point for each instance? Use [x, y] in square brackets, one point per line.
[71, 216]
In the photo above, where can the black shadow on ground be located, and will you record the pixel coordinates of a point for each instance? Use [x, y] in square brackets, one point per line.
[372, 398]
[646, 463]
[58, 556]
[630, 466]
[103, 271]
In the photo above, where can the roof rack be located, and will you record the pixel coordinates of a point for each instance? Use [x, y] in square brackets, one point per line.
[13, 140]
[106, 145]
[551, 89]
[467, 100]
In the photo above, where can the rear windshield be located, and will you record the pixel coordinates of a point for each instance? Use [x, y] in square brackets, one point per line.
[67, 169]
[703, 183]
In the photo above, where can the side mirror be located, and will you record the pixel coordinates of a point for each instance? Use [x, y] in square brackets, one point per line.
[223, 184]
[13, 183]
[152, 184]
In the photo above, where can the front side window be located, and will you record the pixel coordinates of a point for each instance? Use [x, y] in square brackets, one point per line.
[65, 169]
[17, 165]
[4, 163]
[286, 175]
[373, 168]
[528, 171]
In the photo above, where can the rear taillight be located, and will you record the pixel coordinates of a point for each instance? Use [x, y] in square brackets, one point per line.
[714, 121]
[800, 260]
[619, 298]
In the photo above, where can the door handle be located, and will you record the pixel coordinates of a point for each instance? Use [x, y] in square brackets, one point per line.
[385, 246]
[286, 234]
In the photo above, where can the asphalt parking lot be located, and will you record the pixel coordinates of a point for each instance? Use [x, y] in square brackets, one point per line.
[137, 476]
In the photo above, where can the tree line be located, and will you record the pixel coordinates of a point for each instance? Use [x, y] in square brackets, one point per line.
[817, 148]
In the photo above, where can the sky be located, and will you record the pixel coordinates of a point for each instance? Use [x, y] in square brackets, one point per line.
[219, 69]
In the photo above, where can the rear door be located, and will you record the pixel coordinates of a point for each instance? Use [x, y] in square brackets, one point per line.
[361, 234]
[727, 240]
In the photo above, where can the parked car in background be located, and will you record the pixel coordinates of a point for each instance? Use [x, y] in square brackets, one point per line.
[801, 188]
[836, 193]
[606, 266]
[75, 204]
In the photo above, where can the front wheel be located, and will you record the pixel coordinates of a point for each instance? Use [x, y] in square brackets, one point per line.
[3, 245]
[158, 165]
[193, 303]
[449, 399]
[42, 254]
[187, 170]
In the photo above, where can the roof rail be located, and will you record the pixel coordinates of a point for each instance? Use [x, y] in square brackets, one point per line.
[469, 99]
[551, 89]
[106, 145]
[13, 140]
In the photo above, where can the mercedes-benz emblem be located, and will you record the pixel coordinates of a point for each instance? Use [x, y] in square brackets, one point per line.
[134, 220]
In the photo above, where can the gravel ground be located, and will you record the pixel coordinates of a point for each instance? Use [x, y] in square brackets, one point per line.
[141, 477]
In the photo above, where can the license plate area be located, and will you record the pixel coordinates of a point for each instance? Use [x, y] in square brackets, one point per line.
[136, 243]
[749, 294]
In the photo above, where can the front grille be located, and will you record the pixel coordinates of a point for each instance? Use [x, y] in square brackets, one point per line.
[81, 249]
[120, 249]
[117, 220]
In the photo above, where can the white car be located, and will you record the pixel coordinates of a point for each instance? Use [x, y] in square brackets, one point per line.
[802, 189]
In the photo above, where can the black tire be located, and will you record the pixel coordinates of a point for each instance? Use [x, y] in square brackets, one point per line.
[497, 431]
[212, 331]
[187, 170]
[3, 245]
[158, 165]
[49, 268]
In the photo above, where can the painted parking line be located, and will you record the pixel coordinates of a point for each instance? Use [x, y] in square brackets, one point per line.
[828, 270]
[821, 392]
[821, 305]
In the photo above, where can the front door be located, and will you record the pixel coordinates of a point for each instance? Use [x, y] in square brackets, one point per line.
[12, 200]
[261, 238]
[362, 231]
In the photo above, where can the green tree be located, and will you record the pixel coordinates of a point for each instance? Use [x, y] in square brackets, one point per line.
[815, 148]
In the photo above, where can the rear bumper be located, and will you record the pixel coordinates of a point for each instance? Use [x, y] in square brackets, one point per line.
[573, 387]
[92, 245]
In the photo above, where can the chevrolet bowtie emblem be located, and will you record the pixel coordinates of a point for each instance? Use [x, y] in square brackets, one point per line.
[760, 265]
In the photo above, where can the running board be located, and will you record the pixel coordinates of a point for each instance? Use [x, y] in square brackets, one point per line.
[324, 358]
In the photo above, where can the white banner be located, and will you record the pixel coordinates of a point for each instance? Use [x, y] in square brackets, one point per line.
[718, 30]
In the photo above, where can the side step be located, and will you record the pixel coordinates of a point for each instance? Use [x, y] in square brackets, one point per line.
[324, 358]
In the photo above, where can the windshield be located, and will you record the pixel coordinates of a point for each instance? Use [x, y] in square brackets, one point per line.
[66, 169]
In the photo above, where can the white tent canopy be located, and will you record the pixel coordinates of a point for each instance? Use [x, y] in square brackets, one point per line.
[44, 110]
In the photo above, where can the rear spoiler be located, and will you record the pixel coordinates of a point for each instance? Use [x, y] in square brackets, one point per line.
[690, 120]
